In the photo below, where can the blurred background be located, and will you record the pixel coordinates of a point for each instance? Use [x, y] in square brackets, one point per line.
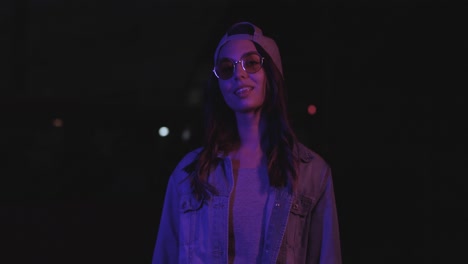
[101, 99]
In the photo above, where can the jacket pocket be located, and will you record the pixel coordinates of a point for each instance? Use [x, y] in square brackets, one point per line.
[189, 203]
[189, 231]
[301, 205]
[298, 223]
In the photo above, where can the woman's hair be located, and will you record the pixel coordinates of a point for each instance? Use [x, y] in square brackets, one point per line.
[221, 134]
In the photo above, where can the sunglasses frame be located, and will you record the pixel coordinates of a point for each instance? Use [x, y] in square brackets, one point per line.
[234, 63]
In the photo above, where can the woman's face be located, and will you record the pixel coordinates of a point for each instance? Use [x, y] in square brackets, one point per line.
[243, 92]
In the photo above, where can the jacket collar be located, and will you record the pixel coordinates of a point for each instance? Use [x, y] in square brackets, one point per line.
[302, 152]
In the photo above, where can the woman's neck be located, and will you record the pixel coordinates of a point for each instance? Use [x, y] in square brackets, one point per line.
[249, 153]
[250, 128]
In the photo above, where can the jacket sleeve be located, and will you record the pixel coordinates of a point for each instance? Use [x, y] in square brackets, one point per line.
[324, 236]
[167, 242]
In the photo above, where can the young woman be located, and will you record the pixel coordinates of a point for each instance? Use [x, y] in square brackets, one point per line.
[252, 193]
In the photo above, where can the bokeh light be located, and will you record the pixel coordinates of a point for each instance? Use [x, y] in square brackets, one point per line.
[163, 131]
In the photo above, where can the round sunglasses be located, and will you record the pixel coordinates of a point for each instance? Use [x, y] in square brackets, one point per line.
[251, 63]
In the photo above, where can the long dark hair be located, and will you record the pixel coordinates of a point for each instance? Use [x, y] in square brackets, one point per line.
[221, 134]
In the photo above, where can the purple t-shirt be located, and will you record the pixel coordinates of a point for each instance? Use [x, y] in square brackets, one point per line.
[247, 215]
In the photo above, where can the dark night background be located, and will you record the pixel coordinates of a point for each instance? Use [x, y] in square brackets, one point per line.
[90, 190]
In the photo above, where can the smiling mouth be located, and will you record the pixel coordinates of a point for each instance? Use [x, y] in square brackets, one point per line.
[243, 91]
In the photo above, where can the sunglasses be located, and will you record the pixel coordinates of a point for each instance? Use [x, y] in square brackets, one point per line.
[251, 63]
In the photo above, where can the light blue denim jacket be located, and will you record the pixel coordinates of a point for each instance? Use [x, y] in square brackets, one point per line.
[302, 227]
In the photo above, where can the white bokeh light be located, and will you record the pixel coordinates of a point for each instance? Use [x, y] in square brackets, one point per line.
[163, 131]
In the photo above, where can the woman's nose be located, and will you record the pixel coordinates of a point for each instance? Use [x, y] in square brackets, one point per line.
[239, 70]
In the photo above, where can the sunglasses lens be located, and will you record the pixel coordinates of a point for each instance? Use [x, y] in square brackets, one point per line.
[252, 63]
[225, 69]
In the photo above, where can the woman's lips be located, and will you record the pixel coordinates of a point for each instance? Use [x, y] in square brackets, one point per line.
[243, 91]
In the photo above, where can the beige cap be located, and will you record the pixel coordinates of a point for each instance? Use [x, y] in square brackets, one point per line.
[268, 44]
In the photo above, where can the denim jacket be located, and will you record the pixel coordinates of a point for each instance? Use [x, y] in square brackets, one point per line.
[302, 227]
